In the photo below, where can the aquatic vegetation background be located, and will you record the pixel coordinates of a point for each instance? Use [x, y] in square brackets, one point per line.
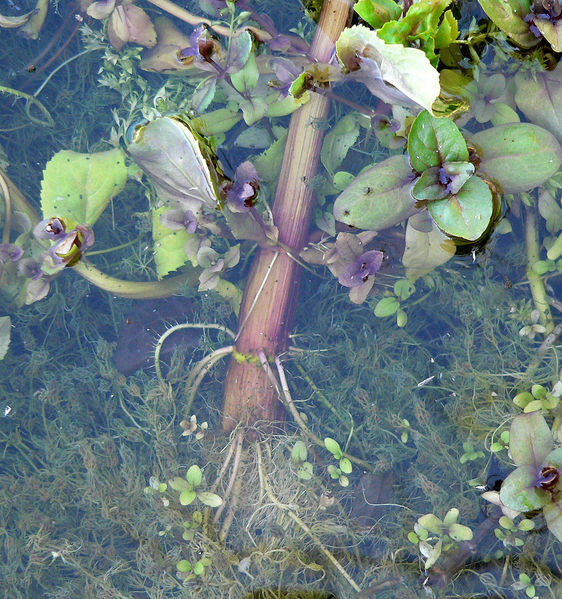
[87, 503]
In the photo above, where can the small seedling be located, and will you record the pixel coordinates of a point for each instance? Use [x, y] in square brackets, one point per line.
[345, 466]
[299, 455]
[470, 455]
[187, 488]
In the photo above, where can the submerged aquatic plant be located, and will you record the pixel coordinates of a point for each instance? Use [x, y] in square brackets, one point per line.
[536, 484]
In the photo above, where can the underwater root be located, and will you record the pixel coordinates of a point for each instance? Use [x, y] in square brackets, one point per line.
[264, 482]
[178, 327]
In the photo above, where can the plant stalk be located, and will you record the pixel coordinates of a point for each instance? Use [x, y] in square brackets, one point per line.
[268, 308]
[536, 282]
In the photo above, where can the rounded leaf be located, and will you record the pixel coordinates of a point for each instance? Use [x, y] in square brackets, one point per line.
[458, 532]
[299, 452]
[467, 214]
[530, 439]
[517, 156]
[431, 522]
[387, 306]
[183, 566]
[345, 466]
[210, 499]
[433, 141]
[187, 497]
[379, 197]
[194, 475]
[333, 447]
[518, 491]
[179, 484]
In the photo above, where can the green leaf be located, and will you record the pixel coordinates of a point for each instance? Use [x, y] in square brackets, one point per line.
[210, 499]
[216, 121]
[431, 522]
[522, 399]
[377, 12]
[299, 452]
[268, 163]
[466, 215]
[539, 98]
[204, 94]
[279, 106]
[387, 306]
[179, 484]
[379, 197]
[77, 187]
[5, 333]
[304, 471]
[551, 31]
[240, 48]
[403, 289]
[333, 447]
[426, 247]
[433, 141]
[199, 568]
[448, 31]
[338, 141]
[428, 186]
[420, 25]
[509, 16]
[187, 497]
[169, 245]
[518, 491]
[453, 514]
[530, 439]
[246, 79]
[517, 156]
[183, 566]
[253, 109]
[345, 466]
[552, 513]
[194, 475]
[458, 532]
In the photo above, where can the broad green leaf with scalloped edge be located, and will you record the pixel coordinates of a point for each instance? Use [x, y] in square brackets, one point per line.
[467, 214]
[169, 245]
[78, 187]
[420, 25]
[377, 12]
[246, 79]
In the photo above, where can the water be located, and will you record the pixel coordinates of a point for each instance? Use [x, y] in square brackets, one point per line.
[94, 464]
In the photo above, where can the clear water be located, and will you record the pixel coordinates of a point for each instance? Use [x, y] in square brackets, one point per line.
[84, 447]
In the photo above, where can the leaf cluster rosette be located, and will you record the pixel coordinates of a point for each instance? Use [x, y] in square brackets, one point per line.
[460, 203]
[536, 482]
